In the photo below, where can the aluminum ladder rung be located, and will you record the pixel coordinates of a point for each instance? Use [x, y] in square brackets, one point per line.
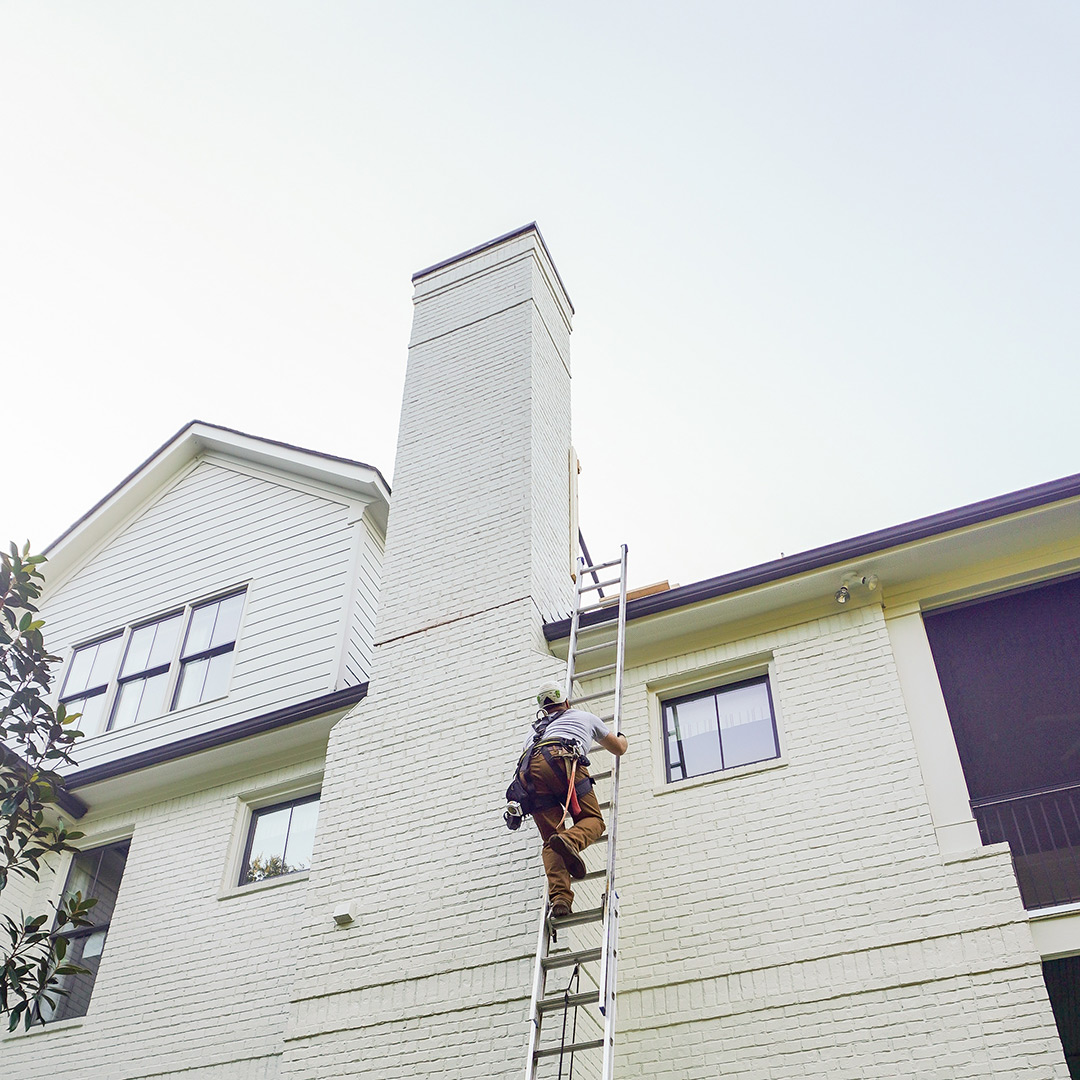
[609, 603]
[574, 1001]
[600, 584]
[565, 959]
[591, 673]
[570, 1048]
[578, 918]
[595, 648]
[599, 566]
[592, 697]
[601, 775]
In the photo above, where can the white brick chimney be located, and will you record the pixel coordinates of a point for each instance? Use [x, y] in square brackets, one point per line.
[433, 976]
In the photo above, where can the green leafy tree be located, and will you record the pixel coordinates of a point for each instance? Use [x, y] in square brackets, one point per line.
[35, 740]
[267, 866]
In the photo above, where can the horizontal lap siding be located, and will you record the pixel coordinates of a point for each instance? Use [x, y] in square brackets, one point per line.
[365, 603]
[213, 530]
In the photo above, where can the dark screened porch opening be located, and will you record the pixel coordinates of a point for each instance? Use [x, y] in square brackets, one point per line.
[1009, 669]
[1063, 985]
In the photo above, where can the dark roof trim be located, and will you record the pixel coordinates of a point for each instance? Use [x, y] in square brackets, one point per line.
[217, 427]
[857, 547]
[70, 804]
[63, 798]
[531, 227]
[208, 740]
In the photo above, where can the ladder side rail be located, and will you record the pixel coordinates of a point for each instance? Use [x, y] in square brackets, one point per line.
[607, 961]
[539, 978]
[572, 652]
[608, 1068]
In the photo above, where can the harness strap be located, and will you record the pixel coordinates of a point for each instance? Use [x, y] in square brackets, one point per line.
[571, 795]
[576, 789]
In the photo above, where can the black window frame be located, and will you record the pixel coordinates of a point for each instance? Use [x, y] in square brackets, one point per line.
[64, 1009]
[715, 692]
[185, 660]
[145, 674]
[256, 814]
[105, 689]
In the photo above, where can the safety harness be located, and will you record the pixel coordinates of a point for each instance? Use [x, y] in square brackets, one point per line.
[521, 791]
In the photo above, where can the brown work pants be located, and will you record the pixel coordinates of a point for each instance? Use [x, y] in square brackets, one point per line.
[552, 780]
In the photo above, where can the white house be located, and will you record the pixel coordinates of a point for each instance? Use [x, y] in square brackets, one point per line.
[293, 808]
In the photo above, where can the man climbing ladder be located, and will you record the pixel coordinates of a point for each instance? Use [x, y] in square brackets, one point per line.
[554, 767]
[590, 960]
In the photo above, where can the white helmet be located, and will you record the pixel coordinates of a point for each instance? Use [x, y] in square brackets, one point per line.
[550, 693]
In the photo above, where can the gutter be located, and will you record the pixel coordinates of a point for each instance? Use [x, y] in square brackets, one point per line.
[857, 547]
[63, 798]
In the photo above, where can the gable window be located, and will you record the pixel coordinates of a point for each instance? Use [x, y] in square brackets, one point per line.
[719, 729]
[206, 659]
[88, 678]
[144, 674]
[172, 662]
[93, 873]
[280, 840]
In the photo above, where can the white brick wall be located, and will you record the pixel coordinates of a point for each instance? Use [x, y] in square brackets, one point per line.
[801, 920]
[193, 983]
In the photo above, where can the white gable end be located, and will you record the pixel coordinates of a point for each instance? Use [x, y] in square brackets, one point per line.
[303, 553]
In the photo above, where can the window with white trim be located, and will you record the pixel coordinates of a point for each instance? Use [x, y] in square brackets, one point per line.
[172, 662]
[719, 729]
[281, 839]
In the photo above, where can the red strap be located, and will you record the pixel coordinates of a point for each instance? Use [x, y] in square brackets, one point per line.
[571, 797]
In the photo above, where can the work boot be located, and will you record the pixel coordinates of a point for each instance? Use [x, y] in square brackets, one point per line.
[574, 863]
[560, 910]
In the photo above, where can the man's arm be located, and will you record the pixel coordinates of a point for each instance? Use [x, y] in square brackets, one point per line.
[615, 743]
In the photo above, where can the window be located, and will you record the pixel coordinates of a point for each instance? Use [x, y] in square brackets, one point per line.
[93, 873]
[280, 840]
[175, 661]
[719, 729]
[144, 674]
[206, 660]
[88, 678]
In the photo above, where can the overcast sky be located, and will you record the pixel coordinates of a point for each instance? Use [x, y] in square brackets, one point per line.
[824, 256]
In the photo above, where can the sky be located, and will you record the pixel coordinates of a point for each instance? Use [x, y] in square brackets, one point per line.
[824, 257]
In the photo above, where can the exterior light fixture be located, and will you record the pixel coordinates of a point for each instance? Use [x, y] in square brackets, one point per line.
[856, 584]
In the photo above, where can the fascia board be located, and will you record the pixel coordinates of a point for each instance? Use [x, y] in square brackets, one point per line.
[334, 471]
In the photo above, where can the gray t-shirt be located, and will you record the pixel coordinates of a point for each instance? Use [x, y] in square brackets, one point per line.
[575, 724]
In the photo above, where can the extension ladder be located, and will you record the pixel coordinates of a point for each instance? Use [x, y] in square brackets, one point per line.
[597, 638]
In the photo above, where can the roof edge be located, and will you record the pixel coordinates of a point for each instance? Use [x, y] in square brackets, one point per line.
[175, 440]
[209, 740]
[857, 547]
